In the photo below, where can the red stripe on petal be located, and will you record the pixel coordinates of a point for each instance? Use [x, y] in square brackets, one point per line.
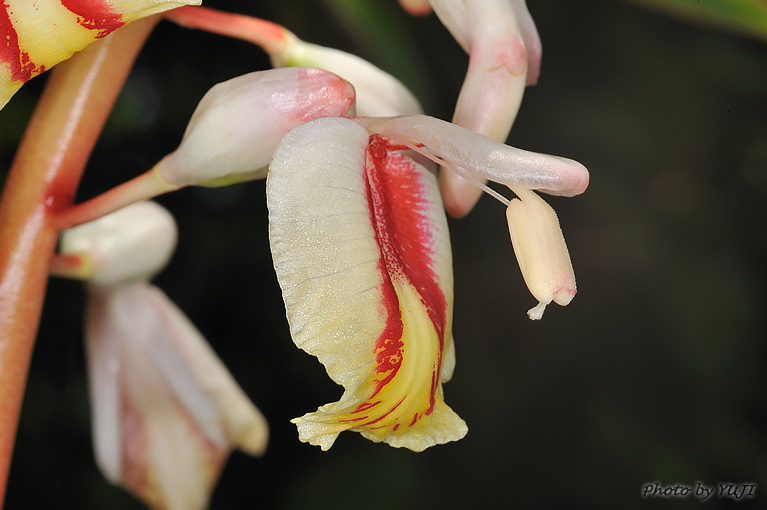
[398, 212]
[96, 15]
[21, 67]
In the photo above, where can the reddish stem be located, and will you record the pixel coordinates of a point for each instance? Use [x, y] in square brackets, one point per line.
[147, 185]
[270, 36]
[44, 177]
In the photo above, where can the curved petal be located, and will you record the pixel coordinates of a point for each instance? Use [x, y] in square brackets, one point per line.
[361, 250]
[486, 158]
[166, 412]
[40, 34]
[491, 33]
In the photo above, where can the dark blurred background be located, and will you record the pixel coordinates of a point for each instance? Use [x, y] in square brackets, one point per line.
[655, 372]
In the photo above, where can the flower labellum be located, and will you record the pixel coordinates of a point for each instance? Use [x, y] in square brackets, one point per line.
[362, 253]
[541, 251]
[39, 34]
[238, 123]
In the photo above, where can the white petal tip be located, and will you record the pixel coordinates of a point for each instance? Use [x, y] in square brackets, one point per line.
[254, 440]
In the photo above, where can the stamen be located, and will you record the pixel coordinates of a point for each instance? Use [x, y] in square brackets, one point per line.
[462, 172]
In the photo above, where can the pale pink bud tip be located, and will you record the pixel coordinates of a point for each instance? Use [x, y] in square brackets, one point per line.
[541, 251]
[238, 123]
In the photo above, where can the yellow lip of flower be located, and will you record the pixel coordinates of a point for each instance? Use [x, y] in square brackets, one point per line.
[361, 250]
[378, 92]
[40, 34]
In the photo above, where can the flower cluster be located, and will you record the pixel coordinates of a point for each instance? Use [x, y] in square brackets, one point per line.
[358, 182]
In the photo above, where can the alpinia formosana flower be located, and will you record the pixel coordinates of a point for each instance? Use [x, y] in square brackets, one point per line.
[38, 34]
[166, 411]
[362, 253]
[357, 231]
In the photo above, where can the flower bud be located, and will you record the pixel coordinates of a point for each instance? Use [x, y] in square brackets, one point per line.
[131, 244]
[238, 123]
[541, 251]
[379, 94]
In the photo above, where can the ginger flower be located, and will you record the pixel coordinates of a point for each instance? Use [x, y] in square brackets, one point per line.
[40, 34]
[361, 250]
[166, 411]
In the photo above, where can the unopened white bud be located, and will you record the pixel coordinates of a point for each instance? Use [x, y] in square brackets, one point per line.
[238, 123]
[131, 244]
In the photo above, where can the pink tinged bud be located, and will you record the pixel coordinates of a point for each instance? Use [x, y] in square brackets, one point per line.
[166, 412]
[131, 244]
[39, 34]
[379, 94]
[541, 251]
[238, 123]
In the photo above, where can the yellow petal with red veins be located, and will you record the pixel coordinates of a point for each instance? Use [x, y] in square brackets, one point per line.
[38, 35]
[362, 253]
